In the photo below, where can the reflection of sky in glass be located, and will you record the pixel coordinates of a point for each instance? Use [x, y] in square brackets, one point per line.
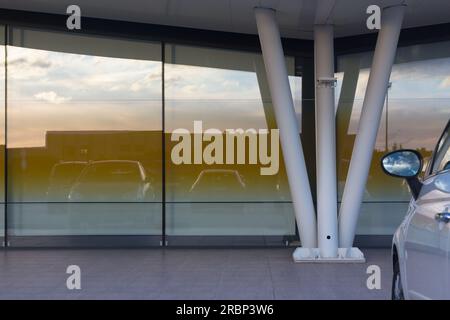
[60, 91]
[419, 103]
[221, 98]
[2, 92]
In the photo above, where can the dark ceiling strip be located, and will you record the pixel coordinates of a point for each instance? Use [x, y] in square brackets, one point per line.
[217, 39]
[150, 32]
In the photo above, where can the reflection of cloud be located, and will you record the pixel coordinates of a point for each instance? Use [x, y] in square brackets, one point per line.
[172, 80]
[27, 62]
[28, 66]
[18, 61]
[193, 82]
[41, 84]
[421, 70]
[118, 87]
[85, 77]
[51, 96]
[428, 78]
[445, 83]
[41, 64]
[231, 84]
[147, 82]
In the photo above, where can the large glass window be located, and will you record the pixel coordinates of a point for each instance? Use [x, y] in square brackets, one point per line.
[222, 90]
[416, 111]
[84, 135]
[84, 139]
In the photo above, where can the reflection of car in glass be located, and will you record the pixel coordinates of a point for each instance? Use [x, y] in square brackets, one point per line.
[62, 177]
[112, 180]
[218, 182]
[421, 244]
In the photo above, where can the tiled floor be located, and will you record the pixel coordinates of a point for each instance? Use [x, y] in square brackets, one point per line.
[186, 274]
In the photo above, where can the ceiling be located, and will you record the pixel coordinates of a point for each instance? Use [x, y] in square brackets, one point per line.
[295, 17]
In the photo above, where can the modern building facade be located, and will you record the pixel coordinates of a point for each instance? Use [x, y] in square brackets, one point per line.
[87, 120]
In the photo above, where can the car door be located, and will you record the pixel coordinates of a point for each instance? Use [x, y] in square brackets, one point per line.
[427, 236]
[441, 179]
[443, 183]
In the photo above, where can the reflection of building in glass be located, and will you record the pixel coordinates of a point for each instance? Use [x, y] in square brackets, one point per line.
[100, 145]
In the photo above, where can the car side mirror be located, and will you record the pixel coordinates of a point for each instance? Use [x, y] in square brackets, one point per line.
[405, 164]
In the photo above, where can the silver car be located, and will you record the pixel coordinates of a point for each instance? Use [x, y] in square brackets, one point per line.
[421, 244]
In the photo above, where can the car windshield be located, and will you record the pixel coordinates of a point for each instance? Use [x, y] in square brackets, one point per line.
[111, 172]
[210, 180]
[65, 173]
[222, 178]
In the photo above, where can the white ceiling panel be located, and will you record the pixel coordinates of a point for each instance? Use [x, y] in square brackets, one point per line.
[296, 17]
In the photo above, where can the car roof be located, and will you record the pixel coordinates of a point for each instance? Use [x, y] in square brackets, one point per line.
[114, 161]
[70, 162]
[219, 170]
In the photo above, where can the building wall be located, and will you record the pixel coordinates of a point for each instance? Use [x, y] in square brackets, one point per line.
[88, 131]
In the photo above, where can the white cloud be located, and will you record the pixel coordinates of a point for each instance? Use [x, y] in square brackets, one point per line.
[51, 96]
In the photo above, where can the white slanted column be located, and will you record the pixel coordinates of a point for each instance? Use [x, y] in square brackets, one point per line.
[325, 142]
[283, 105]
[391, 21]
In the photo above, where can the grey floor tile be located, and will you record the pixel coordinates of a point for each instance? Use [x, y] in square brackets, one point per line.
[186, 274]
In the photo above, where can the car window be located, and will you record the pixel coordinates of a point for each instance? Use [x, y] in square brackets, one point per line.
[65, 173]
[111, 172]
[442, 158]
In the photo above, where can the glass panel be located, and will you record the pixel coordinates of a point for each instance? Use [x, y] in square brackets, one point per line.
[243, 218]
[381, 218]
[220, 90]
[84, 135]
[70, 219]
[415, 113]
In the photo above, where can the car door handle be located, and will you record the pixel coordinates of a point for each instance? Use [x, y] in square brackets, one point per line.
[442, 217]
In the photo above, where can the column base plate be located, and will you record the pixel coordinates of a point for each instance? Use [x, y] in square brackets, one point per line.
[312, 255]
